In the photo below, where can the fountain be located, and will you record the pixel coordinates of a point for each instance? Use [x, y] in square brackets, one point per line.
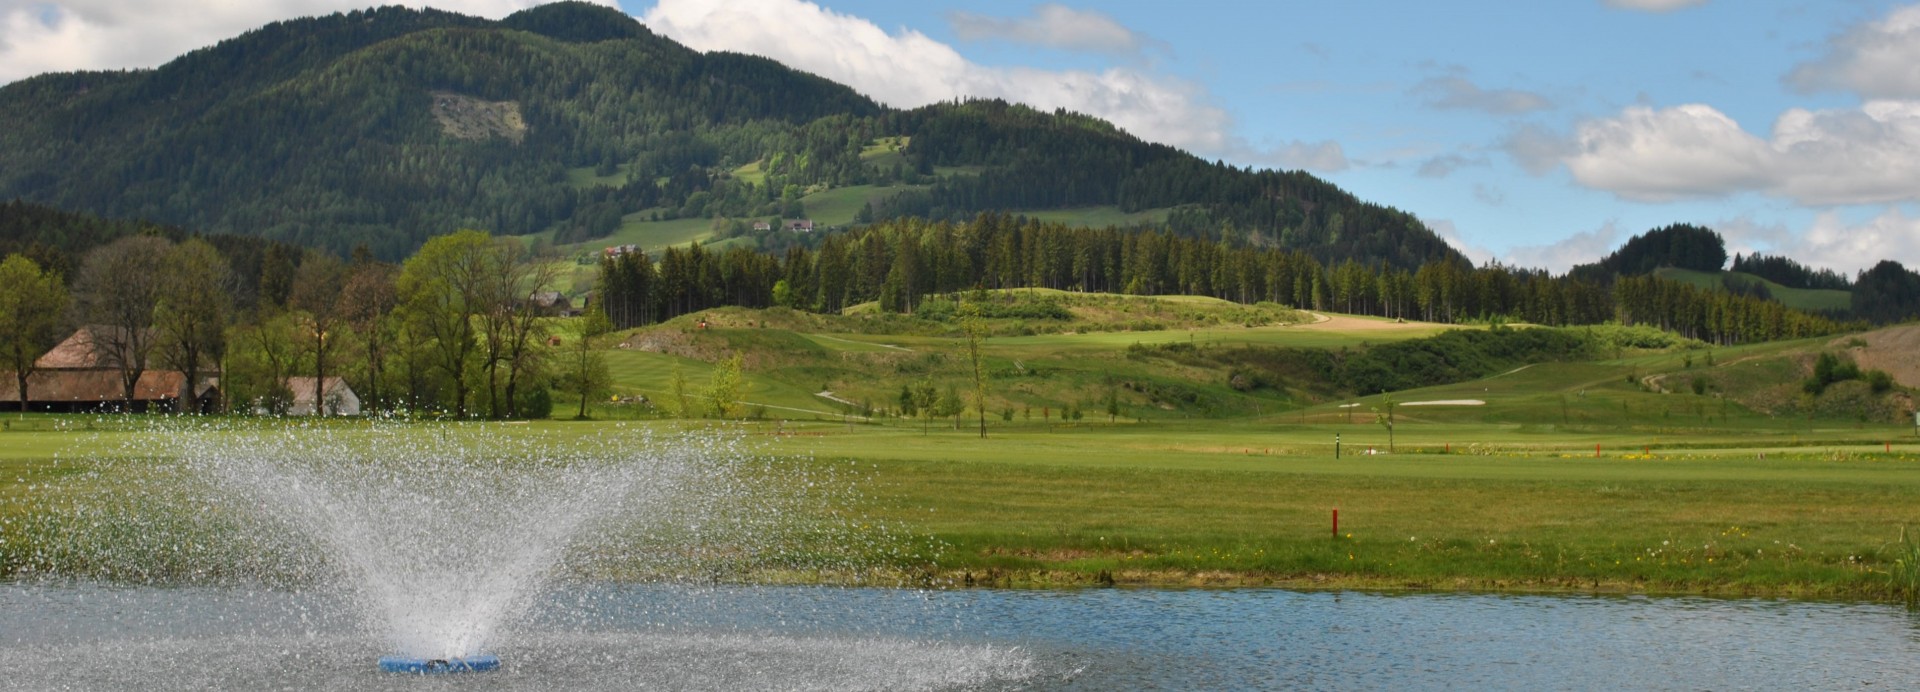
[444, 544]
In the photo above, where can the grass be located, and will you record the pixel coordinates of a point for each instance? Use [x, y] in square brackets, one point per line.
[1797, 298]
[1247, 503]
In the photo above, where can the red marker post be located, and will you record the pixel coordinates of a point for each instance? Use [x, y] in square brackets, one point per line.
[1336, 522]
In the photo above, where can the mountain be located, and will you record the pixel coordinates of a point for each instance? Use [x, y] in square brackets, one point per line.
[388, 126]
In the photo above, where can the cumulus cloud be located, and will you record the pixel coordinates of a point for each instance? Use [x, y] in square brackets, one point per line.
[908, 69]
[1875, 59]
[1579, 248]
[1863, 155]
[1053, 26]
[1456, 93]
[39, 36]
[1653, 5]
[1659, 155]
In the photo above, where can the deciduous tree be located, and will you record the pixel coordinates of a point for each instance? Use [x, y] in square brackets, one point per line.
[32, 304]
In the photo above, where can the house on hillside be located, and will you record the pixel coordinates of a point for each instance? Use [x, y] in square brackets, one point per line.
[340, 399]
[552, 304]
[762, 226]
[82, 374]
[800, 225]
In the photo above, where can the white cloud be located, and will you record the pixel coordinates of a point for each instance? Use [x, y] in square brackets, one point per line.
[1658, 155]
[1448, 232]
[1580, 248]
[908, 69]
[1831, 242]
[39, 36]
[1869, 154]
[1455, 93]
[1876, 60]
[1654, 5]
[1054, 26]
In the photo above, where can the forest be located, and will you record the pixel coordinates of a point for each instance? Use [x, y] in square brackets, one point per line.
[900, 263]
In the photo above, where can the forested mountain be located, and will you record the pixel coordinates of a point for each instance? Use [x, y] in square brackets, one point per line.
[388, 126]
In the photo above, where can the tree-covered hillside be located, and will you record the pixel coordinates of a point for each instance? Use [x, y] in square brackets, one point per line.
[388, 126]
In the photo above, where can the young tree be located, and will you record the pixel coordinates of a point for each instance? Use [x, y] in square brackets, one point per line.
[677, 390]
[115, 293]
[950, 404]
[31, 304]
[925, 396]
[726, 388]
[1383, 414]
[191, 317]
[976, 330]
[587, 373]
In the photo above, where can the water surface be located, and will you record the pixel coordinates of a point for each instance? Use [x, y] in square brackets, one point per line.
[731, 638]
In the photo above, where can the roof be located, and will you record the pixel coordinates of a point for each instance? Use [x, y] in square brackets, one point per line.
[88, 347]
[302, 389]
[94, 386]
[547, 299]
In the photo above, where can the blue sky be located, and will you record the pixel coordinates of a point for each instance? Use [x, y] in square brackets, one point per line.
[1536, 133]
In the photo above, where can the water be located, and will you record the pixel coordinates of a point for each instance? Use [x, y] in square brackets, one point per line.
[616, 636]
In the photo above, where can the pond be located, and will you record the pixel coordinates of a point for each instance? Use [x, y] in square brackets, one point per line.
[619, 636]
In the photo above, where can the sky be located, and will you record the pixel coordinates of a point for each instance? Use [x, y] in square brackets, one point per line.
[1537, 134]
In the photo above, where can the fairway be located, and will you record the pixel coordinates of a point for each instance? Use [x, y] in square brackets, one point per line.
[1459, 506]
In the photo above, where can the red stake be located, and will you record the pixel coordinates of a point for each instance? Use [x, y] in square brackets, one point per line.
[1336, 522]
[1596, 451]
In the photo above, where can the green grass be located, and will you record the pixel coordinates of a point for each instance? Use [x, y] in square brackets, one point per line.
[751, 173]
[1249, 503]
[1797, 298]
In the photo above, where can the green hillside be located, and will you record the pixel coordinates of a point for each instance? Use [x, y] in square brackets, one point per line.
[385, 127]
[1817, 300]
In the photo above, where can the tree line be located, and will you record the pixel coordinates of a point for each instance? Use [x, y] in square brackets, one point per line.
[900, 263]
[454, 330]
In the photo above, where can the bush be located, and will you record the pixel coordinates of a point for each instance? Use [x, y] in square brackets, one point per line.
[1879, 381]
[536, 402]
